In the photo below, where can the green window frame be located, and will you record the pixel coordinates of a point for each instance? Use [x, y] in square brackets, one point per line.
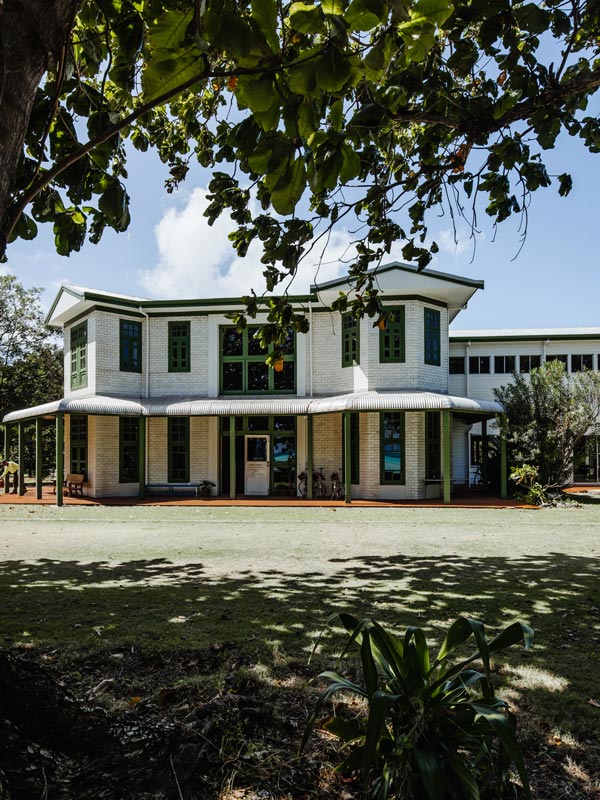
[432, 336]
[354, 447]
[178, 450]
[433, 448]
[129, 437]
[130, 345]
[78, 434]
[392, 448]
[392, 339]
[79, 356]
[179, 347]
[350, 340]
[243, 369]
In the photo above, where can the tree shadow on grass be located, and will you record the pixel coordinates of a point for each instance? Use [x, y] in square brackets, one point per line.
[164, 606]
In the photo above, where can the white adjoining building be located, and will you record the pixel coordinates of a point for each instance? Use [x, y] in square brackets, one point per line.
[161, 395]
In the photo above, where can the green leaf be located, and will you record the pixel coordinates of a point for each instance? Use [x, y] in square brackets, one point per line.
[512, 635]
[364, 15]
[500, 723]
[307, 18]
[368, 665]
[335, 7]
[332, 70]
[168, 31]
[349, 730]
[436, 11]
[256, 93]
[288, 191]
[566, 184]
[160, 77]
[431, 771]
[265, 14]
[459, 632]
[350, 163]
[532, 18]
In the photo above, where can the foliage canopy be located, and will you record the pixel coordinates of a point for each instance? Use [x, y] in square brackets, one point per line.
[366, 113]
[546, 416]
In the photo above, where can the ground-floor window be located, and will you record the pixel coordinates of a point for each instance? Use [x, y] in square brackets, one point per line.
[178, 450]
[433, 469]
[129, 437]
[79, 444]
[281, 434]
[392, 447]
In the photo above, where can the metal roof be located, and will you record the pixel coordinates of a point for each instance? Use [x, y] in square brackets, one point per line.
[246, 406]
[515, 334]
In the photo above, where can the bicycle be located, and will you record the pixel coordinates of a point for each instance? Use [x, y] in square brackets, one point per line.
[302, 485]
[319, 487]
[338, 491]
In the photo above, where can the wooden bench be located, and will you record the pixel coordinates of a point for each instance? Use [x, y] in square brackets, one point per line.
[173, 488]
[74, 484]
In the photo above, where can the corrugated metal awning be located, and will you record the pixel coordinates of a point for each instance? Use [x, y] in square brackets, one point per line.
[250, 406]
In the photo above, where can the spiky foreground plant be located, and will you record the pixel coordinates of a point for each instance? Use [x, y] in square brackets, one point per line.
[434, 729]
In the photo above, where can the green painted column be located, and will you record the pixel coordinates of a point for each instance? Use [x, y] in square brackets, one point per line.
[503, 467]
[21, 457]
[484, 456]
[142, 458]
[232, 486]
[446, 453]
[309, 458]
[38, 458]
[347, 459]
[60, 463]
[6, 453]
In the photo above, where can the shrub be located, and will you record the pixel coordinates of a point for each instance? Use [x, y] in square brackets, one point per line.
[433, 729]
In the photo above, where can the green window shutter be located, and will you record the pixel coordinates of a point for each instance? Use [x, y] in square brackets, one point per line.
[78, 434]
[243, 369]
[129, 434]
[179, 347]
[392, 447]
[433, 453]
[130, 345]
[354, 447]
[179, 450]
[350, 340]
[79, 356]
[392, 340]
[432, 344]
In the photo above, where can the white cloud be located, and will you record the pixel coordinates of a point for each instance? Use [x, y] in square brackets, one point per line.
[197, 260]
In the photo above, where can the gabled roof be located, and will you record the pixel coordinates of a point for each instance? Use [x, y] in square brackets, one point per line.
[398, 280]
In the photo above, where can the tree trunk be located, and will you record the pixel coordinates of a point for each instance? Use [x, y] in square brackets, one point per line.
[32, 36]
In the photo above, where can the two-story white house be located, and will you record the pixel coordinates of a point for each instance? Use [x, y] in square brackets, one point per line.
[164, 394]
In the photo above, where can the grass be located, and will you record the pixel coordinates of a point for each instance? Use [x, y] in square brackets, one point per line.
[81, 581]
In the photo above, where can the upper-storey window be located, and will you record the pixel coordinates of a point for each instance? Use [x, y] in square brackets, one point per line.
[350, 340]
[527, 363]
[456, 365]
[504, 364]
[392, 338]
[79, 356]
[179, 347]
[581, 362]
[130, 342]
[243, 368]
[479, 365]
[432, 337]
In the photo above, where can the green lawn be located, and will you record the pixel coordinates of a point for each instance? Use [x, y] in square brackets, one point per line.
[264, 581]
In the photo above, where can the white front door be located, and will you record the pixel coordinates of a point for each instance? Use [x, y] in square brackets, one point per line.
[256, 475]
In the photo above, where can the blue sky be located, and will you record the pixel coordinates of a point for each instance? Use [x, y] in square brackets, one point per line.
[169, 251]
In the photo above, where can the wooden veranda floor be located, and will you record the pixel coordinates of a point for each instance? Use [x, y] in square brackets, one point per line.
[474, 500]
